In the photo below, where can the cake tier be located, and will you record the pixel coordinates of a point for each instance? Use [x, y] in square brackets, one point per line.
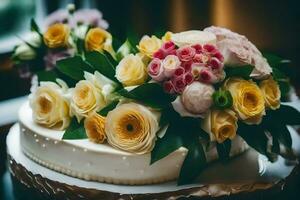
[100, 162]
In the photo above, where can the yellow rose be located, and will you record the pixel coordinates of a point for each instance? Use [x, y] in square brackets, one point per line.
[149, 45]
[98, 39]
[131, 71]
[248, 100]
[221, 124]
[132, 127]
[94, 126]
[271, 93]
[50, 106]
[90, 95]
[57, 36]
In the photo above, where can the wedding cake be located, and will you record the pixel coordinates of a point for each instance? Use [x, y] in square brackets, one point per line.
[152, 112]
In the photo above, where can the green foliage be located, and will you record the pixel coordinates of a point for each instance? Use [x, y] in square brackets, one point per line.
[104, 111]
[151, 94]
[74, 67]
[46, 76]
[126, 49]
[75, 131]
[224, 150]
[239, 71]
[101, 63]
[35, 27]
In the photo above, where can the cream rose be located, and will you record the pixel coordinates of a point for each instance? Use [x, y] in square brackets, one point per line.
[195, 100]
[248, 100]
[132, 127]
[131, 71]
[90, 95]
[57, 36]
[220, 124]
[271, 93]
[49, 105]
[193, 37]
[94, 126]
[170, 64]
[149, 45]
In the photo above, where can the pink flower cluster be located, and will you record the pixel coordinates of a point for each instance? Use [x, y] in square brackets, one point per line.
[176, 67]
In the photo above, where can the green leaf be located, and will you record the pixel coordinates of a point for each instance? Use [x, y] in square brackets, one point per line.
[110, 58]
[166, 145]
[124, 50]
[75, 131]
[151, 94]
[74, 67]
[285, 115]
[46, 76]
[35, 27]
[281, 132]
[239, 71]
[101, 63]
[255, 136]
[193, 164]
[274, 60]
[104, 111]
[224, 150]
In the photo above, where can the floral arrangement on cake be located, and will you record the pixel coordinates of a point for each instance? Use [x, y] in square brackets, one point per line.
[187, 89]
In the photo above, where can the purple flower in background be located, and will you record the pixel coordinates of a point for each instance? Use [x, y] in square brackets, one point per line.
[52, 56]
[91, 17]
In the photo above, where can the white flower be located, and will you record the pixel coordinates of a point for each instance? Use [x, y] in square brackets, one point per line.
[170, 64]
[131, 71]
[132, 127]
[195, 100]
[25, 52]
[238, 50]
[193, 37]
[90, 95]
[34, 39]
[50, 106]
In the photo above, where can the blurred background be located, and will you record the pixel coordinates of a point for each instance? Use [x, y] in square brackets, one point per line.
[273, 25]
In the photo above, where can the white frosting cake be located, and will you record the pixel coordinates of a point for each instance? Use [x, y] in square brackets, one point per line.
[100, 162]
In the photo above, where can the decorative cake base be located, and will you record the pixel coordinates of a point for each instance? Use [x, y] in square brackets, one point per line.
[255, 177]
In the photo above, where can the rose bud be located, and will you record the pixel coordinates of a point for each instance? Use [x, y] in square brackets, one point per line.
[156, 70]
[179, 84]
[196, 69]
[189, 78]
[160, 54]
[170, 64]
[185, 53]
[207, 76]
[215, 64]
[168, 46]
[168, 87]
[209, 48]
[179, 72]
[197, 58]
[198, 48]
[187, 65]
[219, 56]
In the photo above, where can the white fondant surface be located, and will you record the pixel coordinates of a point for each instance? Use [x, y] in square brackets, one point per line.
[100, 162]
[248, 167]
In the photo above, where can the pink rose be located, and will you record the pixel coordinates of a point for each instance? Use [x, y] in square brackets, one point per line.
[168, 87]
[238, 50]
[215, 64]
[156, 70]
[206, 76]
[179, 84]
[198, 48]
[187, 65]
[189, 78]
[169, 48]
[179, 72]
[170, 64]
[160, 54]
[185, 53]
